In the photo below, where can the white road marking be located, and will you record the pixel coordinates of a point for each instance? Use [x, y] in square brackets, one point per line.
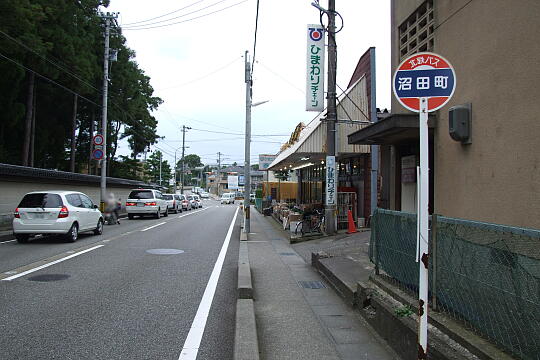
[194, 212]
[51, 263]
[153, 226]
[193, 340]
[8, 241]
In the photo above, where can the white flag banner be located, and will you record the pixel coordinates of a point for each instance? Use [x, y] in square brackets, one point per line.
[315, 68]
[331, 181]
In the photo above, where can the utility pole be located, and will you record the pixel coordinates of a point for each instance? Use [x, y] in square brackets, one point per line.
[218, 173]
[108, 17]
[247, 162]
[184, 129]
[160, 157]
[331, 114]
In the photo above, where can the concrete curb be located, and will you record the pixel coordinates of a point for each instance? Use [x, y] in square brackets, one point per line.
[245, 337]
[246, 345]
[245, 287]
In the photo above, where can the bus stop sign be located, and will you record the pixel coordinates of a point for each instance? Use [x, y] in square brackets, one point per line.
[425, 75]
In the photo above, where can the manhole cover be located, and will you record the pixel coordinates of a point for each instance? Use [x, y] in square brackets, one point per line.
[312, 285]
[49, 277]
[164, 251]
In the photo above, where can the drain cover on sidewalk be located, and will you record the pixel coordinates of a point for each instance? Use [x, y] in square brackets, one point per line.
[164, 251]
[48, 277]
[312, 284]
[287, 253]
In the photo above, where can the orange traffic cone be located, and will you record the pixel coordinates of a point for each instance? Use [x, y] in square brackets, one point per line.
[352, 227]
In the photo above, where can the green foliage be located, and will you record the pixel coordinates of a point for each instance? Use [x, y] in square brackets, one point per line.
[152, 167]
[259, 193]
[192, 161]
[69, 34]
[404, 311]
[282, 175]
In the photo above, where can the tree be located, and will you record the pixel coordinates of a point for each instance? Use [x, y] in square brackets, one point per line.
[192, 161]
[55, 52]
[152, 166]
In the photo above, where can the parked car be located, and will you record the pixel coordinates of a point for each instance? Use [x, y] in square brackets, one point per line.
[56, 212]
[198, 200]
[205, 195]
[186, 204]
[227, 198]
[193, 201]
[143, 202]
[173, 202]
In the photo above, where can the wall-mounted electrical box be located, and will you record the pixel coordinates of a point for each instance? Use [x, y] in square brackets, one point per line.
[459, 123]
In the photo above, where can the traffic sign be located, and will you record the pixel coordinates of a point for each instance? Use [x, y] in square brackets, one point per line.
[97, 154]
[424, 75]
[98, 139]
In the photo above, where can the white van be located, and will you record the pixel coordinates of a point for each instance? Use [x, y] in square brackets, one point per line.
[227, 198]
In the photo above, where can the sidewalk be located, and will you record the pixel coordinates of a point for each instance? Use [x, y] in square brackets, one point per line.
[297, 314]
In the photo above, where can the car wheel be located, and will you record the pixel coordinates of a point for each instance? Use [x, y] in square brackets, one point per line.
[158, 214]
[131, 216]
[166, 213]
[99, 228]
[73, 233]
[22, 238]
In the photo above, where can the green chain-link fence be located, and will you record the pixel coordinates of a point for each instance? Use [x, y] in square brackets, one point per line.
[485, 275]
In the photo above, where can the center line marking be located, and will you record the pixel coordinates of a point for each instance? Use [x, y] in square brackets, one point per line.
[153, 226]
[51, 263]
[181, 216]
[193, 340]
[8, 241]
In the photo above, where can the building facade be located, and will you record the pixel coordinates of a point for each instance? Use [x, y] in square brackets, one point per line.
[494, 50]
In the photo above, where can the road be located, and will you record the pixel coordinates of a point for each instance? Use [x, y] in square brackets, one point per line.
[116, 296]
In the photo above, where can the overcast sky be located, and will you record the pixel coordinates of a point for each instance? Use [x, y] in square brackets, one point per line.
[197, 66]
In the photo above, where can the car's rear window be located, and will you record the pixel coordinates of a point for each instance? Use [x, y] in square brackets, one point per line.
[41, 200]
[168, 197]
[141, 194]
[190, 197]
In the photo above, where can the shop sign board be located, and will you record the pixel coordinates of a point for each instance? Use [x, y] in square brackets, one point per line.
[331, 181]
[232, 182]
[265, 161]
[315, 68]
[241, 180]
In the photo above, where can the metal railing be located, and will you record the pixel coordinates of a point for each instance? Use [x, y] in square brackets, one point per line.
[485, 275]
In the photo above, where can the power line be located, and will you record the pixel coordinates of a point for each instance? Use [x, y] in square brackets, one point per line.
[48, 79]
[169, 13]
[49, 61]
[202, 77]
[231, 133]
[177, 17]
[255, 39]
[197, 17]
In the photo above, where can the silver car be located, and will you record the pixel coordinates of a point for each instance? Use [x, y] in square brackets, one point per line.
[173, 202]
[146, 202]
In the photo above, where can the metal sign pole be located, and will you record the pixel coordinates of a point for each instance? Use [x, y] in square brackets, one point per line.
[423, 218]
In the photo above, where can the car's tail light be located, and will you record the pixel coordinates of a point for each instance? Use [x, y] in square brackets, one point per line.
[16, 214]
[150, 204]
[64, 212]
[130, 204]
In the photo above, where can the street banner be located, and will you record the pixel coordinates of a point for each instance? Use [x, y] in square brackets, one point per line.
[265, 161]
[241, 180]
[315, 68]
[331, 181]
[232, 182]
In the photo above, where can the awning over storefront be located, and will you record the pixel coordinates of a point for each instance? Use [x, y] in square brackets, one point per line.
[394, 129]
[308, 143]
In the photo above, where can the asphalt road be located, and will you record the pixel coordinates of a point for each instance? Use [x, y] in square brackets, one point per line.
[122, 298]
